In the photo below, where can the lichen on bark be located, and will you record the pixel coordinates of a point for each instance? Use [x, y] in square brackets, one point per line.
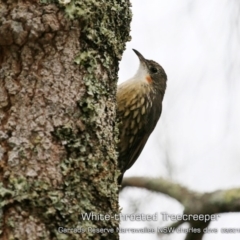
[58, 78]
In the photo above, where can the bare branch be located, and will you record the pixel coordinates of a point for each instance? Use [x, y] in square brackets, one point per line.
[199, 208]
[161, 185]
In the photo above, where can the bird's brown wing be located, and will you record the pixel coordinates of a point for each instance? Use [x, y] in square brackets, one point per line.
[135, 151]
[128, 158]
[132, 112]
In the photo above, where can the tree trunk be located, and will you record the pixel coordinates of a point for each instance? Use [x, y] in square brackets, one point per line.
[58, 75]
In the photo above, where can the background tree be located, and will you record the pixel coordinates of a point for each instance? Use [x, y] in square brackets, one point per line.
[58, 76]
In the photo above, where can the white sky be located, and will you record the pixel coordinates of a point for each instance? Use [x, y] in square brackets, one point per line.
[196, 141]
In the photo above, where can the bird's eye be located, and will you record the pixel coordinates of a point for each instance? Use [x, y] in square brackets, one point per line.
[153, 70]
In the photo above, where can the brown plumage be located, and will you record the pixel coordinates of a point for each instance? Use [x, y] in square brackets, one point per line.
[139, 106]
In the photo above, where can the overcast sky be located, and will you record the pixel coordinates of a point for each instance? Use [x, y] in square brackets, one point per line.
[197, 140]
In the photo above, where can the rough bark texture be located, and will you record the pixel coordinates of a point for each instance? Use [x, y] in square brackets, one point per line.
[57, 116]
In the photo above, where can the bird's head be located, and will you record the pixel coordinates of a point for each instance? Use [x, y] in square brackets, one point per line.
[150, 72]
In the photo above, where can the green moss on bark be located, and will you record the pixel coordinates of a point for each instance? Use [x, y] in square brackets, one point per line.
[84, 180]
[92, 147]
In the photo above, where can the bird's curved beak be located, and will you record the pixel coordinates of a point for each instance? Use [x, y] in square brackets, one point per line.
[141, 58]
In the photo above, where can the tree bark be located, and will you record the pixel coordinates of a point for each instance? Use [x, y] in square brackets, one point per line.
[58, 75]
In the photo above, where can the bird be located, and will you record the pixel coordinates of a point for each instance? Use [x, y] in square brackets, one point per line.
[139, 107]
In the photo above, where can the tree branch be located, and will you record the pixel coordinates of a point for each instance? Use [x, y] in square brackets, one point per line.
[206, 205]
[160, 185]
